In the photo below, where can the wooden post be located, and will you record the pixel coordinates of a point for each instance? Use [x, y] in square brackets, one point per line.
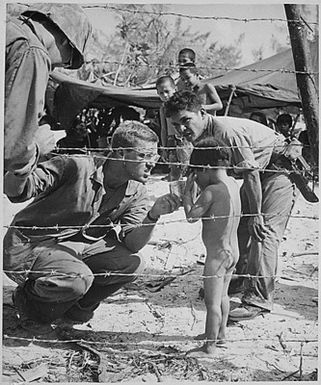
[307, 83]
[233, 88]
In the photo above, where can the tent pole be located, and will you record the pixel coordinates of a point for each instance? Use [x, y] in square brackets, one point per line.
[294, 123]
[306, 82]
[229, 101]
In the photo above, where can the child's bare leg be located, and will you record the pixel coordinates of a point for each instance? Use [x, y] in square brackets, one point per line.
[213, 289]
[225, 307]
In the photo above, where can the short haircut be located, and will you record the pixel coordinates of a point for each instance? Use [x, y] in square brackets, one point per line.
[182, 100]
[284, 118]
[261, 116]
[163, 79]
[130, 133]
[189, 52]
[218, 155]
[188, 67]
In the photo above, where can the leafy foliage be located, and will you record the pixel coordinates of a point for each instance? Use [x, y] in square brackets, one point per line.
[145, 46]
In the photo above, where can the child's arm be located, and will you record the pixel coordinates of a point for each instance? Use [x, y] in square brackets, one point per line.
[195, 211]
[212, 95]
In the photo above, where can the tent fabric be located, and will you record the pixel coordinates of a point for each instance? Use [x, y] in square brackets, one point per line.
[81, 94]
[253, 89]
[266, 83]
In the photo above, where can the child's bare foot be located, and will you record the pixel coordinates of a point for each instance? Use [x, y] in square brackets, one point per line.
[221, 343]
[200, 337]
[221, 340]
[205, 351]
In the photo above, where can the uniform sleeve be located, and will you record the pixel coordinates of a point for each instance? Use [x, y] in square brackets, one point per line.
[43, 178]
[135, 213]
[243, 158]
[26, 81]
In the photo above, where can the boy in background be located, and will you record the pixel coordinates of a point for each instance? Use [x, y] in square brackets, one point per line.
[284, 125]
[205, 91]
[166, 88]
[185, 56]
[219, 206]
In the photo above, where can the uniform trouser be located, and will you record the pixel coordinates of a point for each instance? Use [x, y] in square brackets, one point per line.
[261, 258]
[61, 275]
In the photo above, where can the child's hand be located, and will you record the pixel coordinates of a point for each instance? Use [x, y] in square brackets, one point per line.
[164, 205]
[190, 185]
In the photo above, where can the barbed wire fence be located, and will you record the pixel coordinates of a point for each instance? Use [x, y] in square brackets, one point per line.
[89, 151]
[198, 17]
[221, 68]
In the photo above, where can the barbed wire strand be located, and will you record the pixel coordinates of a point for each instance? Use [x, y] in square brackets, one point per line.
[159, 223]
[235, 168]
[305, 340]
[217, 68]
[216, 18]
[275, 146]
[107, 274]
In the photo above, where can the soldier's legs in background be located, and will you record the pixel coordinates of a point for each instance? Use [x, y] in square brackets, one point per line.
[278, 198]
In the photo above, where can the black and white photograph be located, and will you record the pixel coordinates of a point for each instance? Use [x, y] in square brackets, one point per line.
[160, 192]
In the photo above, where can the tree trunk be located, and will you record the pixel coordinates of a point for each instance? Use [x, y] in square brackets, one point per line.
[306, 82]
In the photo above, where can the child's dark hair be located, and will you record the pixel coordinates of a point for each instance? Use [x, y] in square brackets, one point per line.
[163, 79]
[260, 115]
[217, 155]
[182, 100]
[189, 52]
[284, 119]
[188, 67]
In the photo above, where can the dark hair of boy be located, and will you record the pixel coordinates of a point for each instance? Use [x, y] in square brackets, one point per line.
[284, 119]
[261, 116]
[163, 79]
[188, 52]
[188, 67]
[217, 155]
[182, 100]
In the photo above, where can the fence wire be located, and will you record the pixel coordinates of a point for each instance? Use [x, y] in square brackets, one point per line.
[147, 342]
[217, 68]
[235, 168]
[198, 17]
[106, 274]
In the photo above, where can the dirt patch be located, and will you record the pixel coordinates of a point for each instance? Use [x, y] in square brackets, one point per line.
[142, 335]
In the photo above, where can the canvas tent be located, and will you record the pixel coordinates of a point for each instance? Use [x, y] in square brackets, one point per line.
[261, 85]
[264, 84]
[67, 96]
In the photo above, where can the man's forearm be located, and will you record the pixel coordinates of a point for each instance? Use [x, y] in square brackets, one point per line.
[139, 237]
[253, 188]
[15, 181]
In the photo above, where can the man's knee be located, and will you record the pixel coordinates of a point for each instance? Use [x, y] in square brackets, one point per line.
[82, 283]
[139, 263]
[65, 287]
[134, 267]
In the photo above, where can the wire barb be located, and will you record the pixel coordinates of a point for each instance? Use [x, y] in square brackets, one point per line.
[216, 18]
[216, 68]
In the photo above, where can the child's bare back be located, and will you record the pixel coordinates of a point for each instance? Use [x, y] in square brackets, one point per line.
[219, 207]
[220, 239]
[208, 95]
[220, 234]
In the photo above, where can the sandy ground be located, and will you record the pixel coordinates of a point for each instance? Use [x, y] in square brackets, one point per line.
[142, 336]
